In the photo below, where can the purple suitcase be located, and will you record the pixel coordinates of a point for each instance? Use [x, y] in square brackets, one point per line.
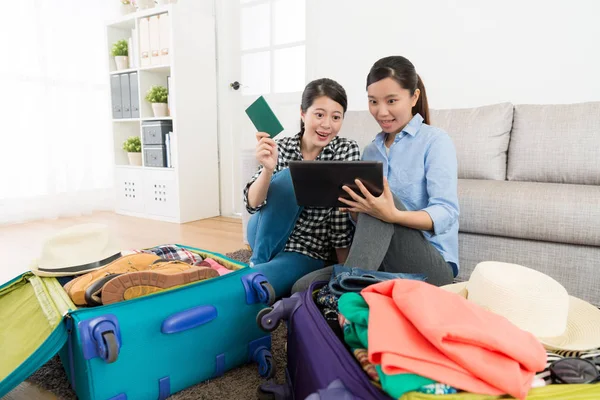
[318, 363]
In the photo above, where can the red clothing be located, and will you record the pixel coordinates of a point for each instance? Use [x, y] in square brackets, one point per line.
[419, 328]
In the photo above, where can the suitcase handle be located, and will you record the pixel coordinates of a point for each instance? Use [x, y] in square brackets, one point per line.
[335, 391]
[188, 319]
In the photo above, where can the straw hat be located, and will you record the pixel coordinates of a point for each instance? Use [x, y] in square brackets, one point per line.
[76, 250]
[535, 303]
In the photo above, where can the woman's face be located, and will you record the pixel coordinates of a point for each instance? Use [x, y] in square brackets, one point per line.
[322, 121]
[391, 105]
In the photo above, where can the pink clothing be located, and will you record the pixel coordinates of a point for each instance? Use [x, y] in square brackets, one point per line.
[209, 262]
[415, 327]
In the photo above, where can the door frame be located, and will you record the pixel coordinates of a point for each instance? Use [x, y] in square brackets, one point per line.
[230, 102]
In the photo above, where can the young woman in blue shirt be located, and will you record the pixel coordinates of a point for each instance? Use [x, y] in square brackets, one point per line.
[417, 214]
[413, 226]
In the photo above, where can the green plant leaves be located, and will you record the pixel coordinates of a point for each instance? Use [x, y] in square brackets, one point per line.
[157, 94]
[119, 48]
[133, 144]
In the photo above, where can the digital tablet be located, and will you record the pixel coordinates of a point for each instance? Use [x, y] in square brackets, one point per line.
[319, 183]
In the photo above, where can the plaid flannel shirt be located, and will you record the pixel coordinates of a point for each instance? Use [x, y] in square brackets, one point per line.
[318, 230]
[173, 252]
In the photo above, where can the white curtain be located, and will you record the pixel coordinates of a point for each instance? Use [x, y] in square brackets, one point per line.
[56, 153]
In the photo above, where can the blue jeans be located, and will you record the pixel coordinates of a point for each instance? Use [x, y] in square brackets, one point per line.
[268, 232]
[346, 279]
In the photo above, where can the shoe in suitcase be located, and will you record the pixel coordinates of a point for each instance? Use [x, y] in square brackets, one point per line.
[144, 348]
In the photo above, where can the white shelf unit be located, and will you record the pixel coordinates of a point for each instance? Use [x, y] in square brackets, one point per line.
[189, 190]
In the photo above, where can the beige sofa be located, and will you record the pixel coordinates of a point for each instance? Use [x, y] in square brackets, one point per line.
[529, 186]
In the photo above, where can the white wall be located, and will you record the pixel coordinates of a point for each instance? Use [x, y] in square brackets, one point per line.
[468, 52]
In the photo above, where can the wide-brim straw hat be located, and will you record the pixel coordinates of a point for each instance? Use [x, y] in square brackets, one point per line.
[76, 250]
[534, 302]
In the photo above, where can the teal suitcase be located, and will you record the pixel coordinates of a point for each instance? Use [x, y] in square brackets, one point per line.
[144, 348]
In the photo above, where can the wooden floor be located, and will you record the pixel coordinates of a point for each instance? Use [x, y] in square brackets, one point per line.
[21, 243]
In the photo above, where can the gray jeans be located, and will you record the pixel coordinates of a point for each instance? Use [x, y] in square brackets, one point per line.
[379, 245]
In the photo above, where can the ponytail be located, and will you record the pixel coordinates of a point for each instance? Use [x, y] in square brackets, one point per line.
[422, 107]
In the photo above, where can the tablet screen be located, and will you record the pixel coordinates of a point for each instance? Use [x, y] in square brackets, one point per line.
[319, 183]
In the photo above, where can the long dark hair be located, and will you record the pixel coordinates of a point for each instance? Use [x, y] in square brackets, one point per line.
[402, 71]
[322, 87]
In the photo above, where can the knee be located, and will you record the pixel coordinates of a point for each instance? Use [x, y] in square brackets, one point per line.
[300, 285]
[321, 274]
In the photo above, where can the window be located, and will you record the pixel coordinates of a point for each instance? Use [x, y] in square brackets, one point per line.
[272, 42]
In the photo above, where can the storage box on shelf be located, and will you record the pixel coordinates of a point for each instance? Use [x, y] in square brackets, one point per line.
[156, 143]
[180, 164]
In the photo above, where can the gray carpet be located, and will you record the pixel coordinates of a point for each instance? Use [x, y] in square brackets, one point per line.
[240, 383]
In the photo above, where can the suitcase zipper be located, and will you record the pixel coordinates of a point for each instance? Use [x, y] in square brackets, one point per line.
[334, 342]
[69, 320]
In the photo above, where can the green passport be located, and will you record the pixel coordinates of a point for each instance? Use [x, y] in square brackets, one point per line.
[263, 118]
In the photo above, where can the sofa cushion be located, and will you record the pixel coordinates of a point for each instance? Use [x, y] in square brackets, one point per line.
[556, 143]
[575, 267]
[528, 210]
[481, 137]
[360, 126]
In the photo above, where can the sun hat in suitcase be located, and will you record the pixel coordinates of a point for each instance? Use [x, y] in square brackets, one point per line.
[144, 348]
[535, 302]
[76, 250]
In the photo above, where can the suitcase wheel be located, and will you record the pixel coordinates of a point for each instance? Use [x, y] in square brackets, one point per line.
[273, 391]
[269, 318]
[100, 337]
[262, 395]
[112, 348]
[266, 365]
[267, 322]
[268, 293]
[258, 289]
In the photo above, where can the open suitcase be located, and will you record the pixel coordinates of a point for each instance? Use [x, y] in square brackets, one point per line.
[319, 366]
[315, 356]
[145, 348]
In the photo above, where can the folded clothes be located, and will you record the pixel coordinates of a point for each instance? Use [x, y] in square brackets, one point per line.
[172, 252]
[354, 318]
[419, 328]
[325, 299]
[571, 392]
[347, 279]
[209, 262]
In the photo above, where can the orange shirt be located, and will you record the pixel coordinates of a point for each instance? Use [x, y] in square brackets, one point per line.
[419, 328]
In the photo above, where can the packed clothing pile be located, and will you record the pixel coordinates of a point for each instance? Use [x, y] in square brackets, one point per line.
[481, 337]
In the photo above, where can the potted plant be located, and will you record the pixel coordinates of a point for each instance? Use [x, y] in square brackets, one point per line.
[157, 95]
[133, 147]
[127, 7]
[120, 52]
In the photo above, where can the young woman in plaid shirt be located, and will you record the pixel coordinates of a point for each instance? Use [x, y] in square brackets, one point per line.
[288, 241]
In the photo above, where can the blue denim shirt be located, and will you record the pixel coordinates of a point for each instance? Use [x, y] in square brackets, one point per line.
[422, 172]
